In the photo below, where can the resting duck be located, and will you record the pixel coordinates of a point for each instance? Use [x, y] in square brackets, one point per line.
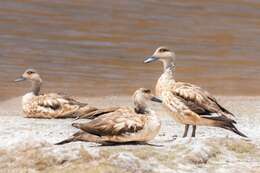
[52, 105]
[126, 124]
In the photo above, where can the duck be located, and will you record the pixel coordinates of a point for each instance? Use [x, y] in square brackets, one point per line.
[124, 125]
[187, 103]
[53, 105]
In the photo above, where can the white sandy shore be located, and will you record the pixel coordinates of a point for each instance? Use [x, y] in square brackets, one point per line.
[27, 144]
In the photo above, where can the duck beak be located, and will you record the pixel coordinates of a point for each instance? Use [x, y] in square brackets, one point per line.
[150, 59]
[20, 79]
[156, 99]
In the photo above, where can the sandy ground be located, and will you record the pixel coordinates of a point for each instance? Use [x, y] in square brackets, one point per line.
[27, 144]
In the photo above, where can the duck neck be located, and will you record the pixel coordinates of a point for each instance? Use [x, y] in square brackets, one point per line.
[140, 108]
[169, 68]
[168, 64]
[36, 87]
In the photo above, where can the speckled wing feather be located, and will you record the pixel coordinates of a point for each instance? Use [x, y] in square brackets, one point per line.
[98, 112]
[123, 120]
[52, 106]
[69, 99]
[176, 104]
[197, 99]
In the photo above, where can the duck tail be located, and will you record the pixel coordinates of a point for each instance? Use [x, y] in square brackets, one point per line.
[226, 123]
[230, 126]
[82, 136]
[71, 139]
[77, 125]
[86, 110]
[65, 141]
[235, 130]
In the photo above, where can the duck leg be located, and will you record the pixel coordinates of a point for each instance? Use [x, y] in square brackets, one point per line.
[193, 130]
[186, 130]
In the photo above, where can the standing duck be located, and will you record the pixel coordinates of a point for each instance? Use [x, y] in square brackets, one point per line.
[188, 103]
[52, 105]
[138, 124]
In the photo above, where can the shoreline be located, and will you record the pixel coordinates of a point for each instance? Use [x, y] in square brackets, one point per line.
[27, 144]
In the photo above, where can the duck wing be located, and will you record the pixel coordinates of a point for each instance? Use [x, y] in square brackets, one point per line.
[121, 121]
[54, 106]
[198, 99]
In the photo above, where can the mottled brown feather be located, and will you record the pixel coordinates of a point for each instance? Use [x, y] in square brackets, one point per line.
[55, 106]
[197, 99]
[123, 120]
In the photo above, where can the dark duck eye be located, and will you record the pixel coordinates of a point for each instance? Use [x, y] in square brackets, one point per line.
[164, 50]
[30, 72]
[147, 91]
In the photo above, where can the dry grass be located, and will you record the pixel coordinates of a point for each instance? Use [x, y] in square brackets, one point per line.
[38, 158]
[240, 146]
[196, 154]
[82, 166]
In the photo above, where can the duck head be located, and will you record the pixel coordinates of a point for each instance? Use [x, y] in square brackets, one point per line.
[29, 74]
[141, 97]
[34, 77]
[162, 54]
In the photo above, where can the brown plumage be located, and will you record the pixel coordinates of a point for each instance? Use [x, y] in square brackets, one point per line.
[188, 103]
[52, 105]
[123, 125]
